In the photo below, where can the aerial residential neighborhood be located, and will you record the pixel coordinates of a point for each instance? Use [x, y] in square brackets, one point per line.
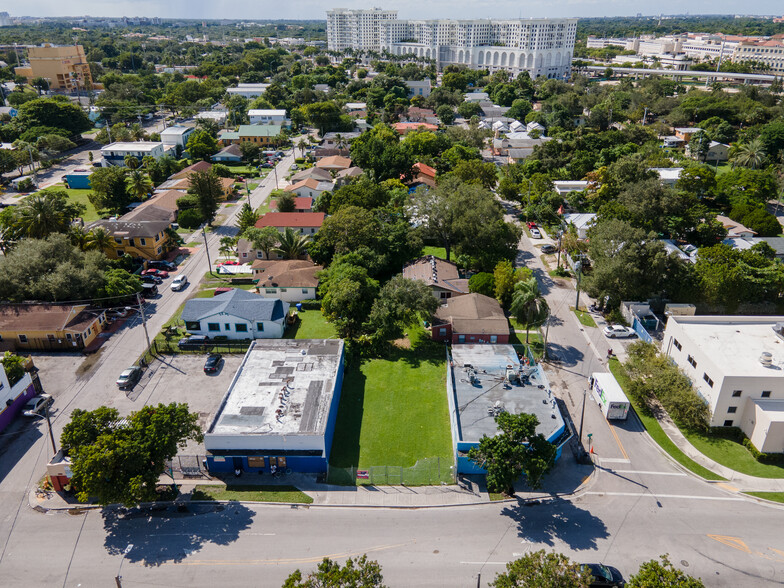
[392, 296]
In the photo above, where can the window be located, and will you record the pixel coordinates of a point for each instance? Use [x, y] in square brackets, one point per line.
[23, 338]
[118, 241]
[120, 252]
[732, 409]
[736, 393]
[461, 338]
[193, 326]
[260, 327]
[728, 423]
[677, 344]
[284, 289]
[228, 326]
[213, 326]
[259, 255]
[270, 290]
[706, 377]
[131, 242]
[442, 331]
[158, 251]
[241, 327]
[693, 363]
[142, 241]
[304, 290]
[766, 394]
[493, 338]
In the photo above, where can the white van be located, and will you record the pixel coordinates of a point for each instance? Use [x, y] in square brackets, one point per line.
[609, 396]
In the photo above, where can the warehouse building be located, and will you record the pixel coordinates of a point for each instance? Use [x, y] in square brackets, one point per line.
[280, 409]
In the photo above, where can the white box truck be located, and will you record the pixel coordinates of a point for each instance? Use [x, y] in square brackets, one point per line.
[608, 394]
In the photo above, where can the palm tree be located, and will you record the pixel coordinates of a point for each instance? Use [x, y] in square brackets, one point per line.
[749, 154]
[138, 183]
[40, 216]
[528, 305]
[302, 146]
[227, 245]
[137, 132]
[131, 162]
[99, 240]
[292, 245]
[79, 237]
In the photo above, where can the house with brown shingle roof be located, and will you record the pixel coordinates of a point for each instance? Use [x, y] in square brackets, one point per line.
[49, 326]
[310, 188]
[474, 318]
[305, 223]
[145, 239]
[440, 275]
[292, 280]
[161, 207]
[312, 172]
[334, 163]
[194, 167]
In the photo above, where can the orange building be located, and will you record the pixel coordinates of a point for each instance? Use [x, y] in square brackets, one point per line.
[65, 67]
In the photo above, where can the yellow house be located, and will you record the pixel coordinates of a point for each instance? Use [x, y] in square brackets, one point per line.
[65, 68]
[49, 326]
[261, 135]
[145, 239]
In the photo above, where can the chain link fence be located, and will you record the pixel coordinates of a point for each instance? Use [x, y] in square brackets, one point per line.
[425, 472]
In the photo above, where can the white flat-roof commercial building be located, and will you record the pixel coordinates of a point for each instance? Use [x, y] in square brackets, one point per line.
[540, 46]
[176, 135]
[267, 117]
[736, 363]
[115, 153]
[249, 91]
[280, 408]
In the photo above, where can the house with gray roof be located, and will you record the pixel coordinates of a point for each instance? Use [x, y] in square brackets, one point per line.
[237, 314]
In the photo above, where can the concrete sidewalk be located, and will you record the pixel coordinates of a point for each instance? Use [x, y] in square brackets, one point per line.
[565, 479]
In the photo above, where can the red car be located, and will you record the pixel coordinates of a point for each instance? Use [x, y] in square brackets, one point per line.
[531, 225]
[156, 272]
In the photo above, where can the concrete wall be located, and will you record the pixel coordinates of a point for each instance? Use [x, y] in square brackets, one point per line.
[13, 398]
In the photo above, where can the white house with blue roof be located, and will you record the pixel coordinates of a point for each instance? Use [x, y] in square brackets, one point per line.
[238, 314]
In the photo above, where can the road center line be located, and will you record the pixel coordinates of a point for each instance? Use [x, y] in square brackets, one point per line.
[685, 496]
[648, 473]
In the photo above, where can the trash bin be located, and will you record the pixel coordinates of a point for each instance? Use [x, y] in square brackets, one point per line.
[299, 307]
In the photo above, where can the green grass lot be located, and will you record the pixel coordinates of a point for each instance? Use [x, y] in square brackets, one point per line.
[585, 318]
[732, 454]
[774, 496]
[393, 410]
[251, 493]
[435, 251]
[311, 325]
[656, 432]
[80, 197]
[243, 169]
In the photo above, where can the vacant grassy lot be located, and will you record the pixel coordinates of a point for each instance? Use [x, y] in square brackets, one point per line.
[393, 410]
[656, 432]
[435, 251]
[732, 454]
[80, 197]
[311, 325]
[260, 493]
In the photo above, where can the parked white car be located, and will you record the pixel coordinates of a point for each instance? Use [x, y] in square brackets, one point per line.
[618, 332]
[535, 234]
[179, 283]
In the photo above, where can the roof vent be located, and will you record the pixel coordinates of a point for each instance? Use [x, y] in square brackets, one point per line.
[766, 359]
[778, 328]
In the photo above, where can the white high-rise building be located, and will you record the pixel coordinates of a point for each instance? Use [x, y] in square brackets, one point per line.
[356, 29]
[540, 46]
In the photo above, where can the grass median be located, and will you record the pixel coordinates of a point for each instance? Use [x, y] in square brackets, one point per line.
[656, 432]
[251, 493]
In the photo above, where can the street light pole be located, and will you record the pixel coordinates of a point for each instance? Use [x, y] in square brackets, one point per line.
[207, 249]
[582, 416]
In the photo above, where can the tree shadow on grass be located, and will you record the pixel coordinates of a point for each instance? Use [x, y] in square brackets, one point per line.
[557, 520]
[168, 534]
[345, 443]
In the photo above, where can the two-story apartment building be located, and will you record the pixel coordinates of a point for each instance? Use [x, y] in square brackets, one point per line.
[68, 327]
[115, 153]
[145, 239]
[265, 116]
[735, 363]
[263, 135]
[176, 136]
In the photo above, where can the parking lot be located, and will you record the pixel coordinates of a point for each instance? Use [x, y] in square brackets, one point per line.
[180, 378]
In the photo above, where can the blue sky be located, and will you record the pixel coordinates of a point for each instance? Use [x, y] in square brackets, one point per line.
[316, 9]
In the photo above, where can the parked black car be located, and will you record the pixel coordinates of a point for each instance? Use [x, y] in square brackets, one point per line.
[194, 342]
[604, 576]
[549, 248]
[213, 363]
[162, 265]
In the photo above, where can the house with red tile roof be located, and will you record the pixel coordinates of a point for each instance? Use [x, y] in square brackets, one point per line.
[421, 175]
[305, 223]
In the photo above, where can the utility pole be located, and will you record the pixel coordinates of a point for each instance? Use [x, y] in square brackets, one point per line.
[578, 267]
[560, 235]
[144, 318]
[206, 248]
[644, 116]
[582, 416]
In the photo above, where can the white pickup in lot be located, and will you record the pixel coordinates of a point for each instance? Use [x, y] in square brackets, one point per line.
[618, 332]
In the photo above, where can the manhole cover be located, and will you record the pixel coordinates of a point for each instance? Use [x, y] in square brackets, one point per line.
[684, 563]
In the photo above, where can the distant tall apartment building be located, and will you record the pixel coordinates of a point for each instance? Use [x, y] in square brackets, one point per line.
[5, 20]
[540, 46]
[65, 67]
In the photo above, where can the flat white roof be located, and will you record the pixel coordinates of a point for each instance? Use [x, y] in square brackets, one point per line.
[132, 146]
[773, 409]
[304, 371]
[266, 112]
[668, 173]
[176, 130]
[736, 343]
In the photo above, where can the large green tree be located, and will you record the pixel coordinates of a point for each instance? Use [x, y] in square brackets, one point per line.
[118, 460]
[359, 573]
[201, 145]
[138, 184]
[109, 190]
[515, 449]
[379, 153]
[56, 112]
[206, 186]
[539, 569]
[399, 304]
[347, 294]
[262, 239]
[41, 214]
